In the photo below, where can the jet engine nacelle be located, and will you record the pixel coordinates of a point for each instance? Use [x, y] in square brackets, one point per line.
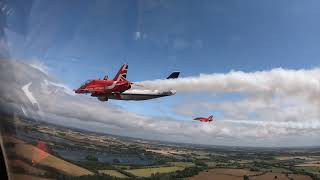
[103, 98]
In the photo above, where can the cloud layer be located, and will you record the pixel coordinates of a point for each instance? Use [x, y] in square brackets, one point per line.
[275, 103]
[263, 116]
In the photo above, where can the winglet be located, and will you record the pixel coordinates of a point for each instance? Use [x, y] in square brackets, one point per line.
[174, 75]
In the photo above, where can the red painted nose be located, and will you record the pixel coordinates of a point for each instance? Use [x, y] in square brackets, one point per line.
[78, 91]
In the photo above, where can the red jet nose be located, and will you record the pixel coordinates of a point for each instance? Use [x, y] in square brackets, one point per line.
[78, 91]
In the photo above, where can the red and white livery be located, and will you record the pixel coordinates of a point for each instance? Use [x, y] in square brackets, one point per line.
[118, 84]
[204, 119]
[119, 88]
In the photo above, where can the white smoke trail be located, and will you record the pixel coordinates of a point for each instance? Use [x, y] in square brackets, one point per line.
[275, 81]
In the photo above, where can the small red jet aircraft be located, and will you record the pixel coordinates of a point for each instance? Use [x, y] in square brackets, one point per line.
[204, 119]
[119, 88]
[118, 84]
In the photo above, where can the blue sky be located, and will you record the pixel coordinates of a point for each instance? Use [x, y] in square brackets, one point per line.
[192, 36]
[80, 40]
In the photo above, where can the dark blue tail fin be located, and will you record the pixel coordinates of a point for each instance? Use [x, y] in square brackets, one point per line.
[174, 75]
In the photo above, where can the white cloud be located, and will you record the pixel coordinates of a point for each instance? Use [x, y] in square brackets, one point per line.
[64, 87]
[40, 66]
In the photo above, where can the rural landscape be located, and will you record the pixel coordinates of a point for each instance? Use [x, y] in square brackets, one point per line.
[37, 150]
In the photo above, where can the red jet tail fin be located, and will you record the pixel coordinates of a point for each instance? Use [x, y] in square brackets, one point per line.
[122, 73]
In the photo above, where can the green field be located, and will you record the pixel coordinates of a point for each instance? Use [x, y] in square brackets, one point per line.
[313, 170]
[223, 164]
[182, 164]
[122, 166]
[114, 173]
[147, 172]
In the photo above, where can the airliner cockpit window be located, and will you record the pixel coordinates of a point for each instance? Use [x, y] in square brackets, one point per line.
[216, 90]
